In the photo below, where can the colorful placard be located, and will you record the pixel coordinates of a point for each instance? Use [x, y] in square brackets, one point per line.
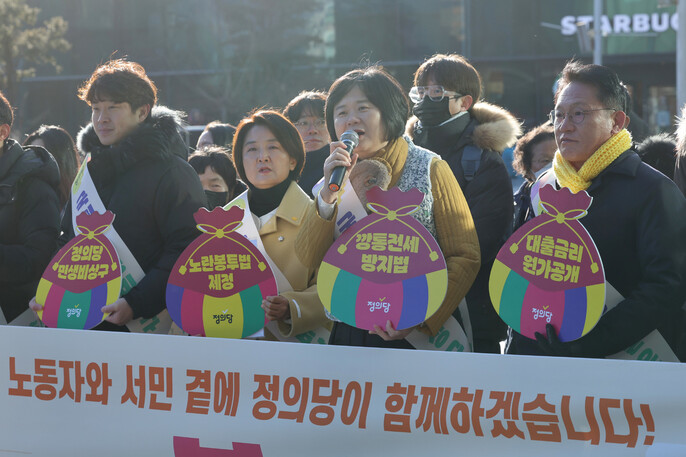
[550, 271]
[84, 276]
[218, 283]
[387, 266]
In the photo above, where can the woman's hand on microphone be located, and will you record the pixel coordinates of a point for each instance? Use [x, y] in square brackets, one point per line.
[339, 157]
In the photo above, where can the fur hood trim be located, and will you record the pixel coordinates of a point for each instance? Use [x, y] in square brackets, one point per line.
[497, 129]
[156, 138]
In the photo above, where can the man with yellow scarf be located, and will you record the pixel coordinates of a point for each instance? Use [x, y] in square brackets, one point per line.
[637, 220]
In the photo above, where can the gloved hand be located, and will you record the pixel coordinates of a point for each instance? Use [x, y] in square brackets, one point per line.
[552, 346]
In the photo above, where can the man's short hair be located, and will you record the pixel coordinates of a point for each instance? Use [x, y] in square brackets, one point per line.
[218, 159]
[119, 81]
[306, 103]
[6, 112]
[453, 72]
[381, 89]
[610, 91]
[283, 130]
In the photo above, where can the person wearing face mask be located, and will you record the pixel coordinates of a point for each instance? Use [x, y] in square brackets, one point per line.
[533, 156]
[217, 175]
[470, 135]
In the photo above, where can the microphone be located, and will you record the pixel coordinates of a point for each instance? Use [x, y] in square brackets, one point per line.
[351, 140]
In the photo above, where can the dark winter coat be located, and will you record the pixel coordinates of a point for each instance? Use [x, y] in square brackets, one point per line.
[29, 222]
[680, 172]
[313, 170]
[153, 193]
[637, 221]
[488, 193]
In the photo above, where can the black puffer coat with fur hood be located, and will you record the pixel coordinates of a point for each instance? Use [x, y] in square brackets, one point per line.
[153, 192]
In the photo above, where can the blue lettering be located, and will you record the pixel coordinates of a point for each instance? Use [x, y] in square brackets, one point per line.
[82, 201]
[346, 221]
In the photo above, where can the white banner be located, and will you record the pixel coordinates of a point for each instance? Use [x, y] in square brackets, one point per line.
[75, 392]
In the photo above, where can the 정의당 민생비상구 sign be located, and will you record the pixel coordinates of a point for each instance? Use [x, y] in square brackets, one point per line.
[84, 276]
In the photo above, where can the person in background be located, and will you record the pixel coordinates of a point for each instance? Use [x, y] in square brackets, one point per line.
[61, 145]
[680, 164]
[217, 175]
[373, 104]
[139, 169]
[216, 133]
[532, 157]
[451, 120]
[269, 156]
[306, 112]
[29, 217]
[636, 221]
[659, 151]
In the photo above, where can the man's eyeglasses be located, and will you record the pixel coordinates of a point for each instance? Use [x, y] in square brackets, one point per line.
[318, 123]
[557, 117]
[435, 93]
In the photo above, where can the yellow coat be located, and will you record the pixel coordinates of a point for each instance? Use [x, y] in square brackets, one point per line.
[454, 226]
[278, 235]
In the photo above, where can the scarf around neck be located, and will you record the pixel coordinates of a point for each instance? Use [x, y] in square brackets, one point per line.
[580, 180]
[263, 201]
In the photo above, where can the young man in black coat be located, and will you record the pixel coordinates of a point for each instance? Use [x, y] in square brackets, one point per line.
[29, 217]
[138, 166]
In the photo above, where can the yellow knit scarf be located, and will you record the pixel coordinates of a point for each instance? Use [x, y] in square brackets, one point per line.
[580, 180]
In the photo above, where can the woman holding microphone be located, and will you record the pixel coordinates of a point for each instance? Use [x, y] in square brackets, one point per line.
[372, 103]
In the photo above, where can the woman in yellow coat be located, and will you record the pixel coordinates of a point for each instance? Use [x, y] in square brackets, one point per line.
[372, 103]
[269, 156]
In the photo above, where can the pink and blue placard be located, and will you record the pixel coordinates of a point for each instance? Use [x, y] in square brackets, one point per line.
[84, 276]
[218, 283]
[550, 271]
[386, 266]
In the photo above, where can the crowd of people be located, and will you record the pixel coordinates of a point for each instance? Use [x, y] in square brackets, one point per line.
[441, 138]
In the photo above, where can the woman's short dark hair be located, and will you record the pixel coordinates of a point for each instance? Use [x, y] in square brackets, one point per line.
[219, 159]
[381, 89]
[453, 72]
[610, 91]
[119, 81]
[523, 153]
[222, 134]
[306, 103]
[61, 145]
[284, 131]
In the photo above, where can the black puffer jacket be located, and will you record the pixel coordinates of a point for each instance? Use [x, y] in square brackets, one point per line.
[153, 193]
[29, 222]
[488, 194]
